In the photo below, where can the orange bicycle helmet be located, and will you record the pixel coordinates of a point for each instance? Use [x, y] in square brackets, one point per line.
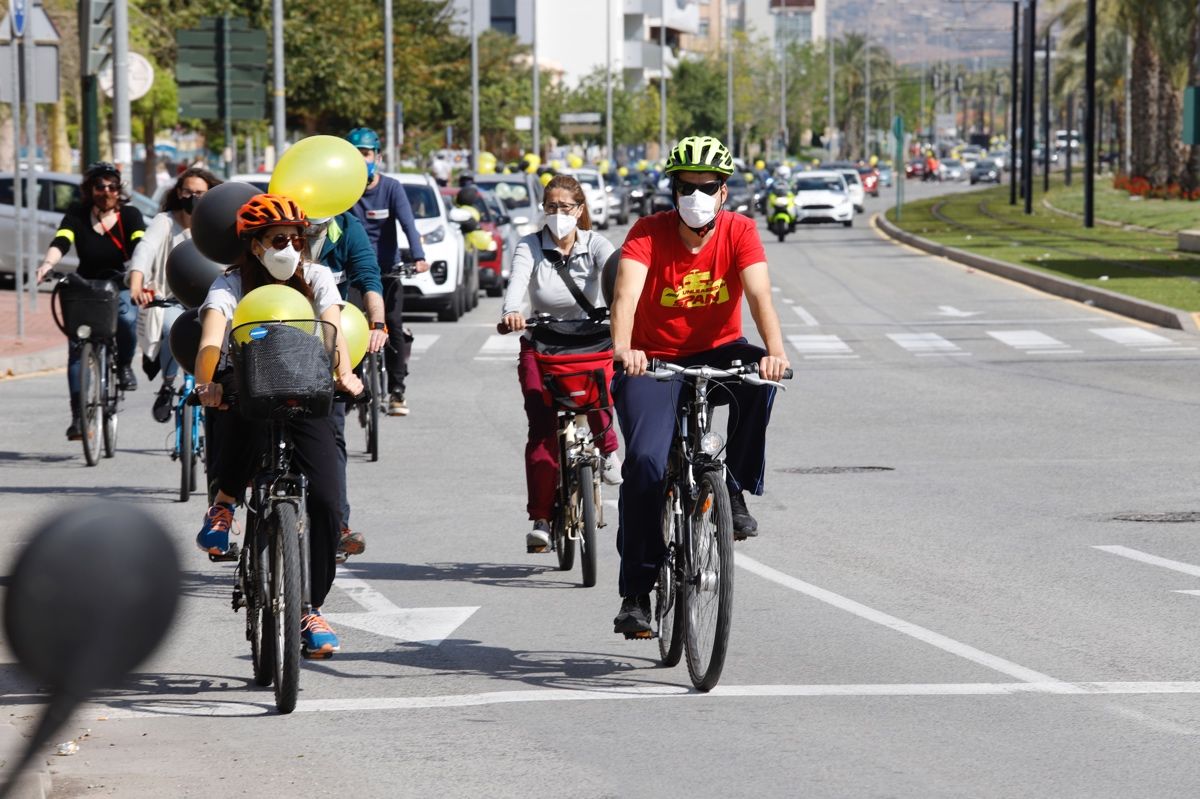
[265, 210]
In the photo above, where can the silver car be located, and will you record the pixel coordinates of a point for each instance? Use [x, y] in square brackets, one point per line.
[56, 192]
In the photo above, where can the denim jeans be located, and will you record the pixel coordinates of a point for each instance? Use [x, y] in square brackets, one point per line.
[127, 315]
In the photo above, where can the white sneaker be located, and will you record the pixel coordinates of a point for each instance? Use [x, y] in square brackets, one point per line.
[611, 472]
[538, 539]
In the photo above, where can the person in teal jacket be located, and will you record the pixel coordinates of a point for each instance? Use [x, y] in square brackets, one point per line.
[341, 243]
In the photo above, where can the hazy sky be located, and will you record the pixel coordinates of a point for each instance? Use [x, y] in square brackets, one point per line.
[931, 29]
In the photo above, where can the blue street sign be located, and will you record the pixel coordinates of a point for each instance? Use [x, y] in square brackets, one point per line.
[18, 18]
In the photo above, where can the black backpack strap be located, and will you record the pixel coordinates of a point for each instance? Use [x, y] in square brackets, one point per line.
[562, 269]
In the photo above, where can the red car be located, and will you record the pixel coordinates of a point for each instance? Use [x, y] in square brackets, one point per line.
[492, 277]
[915, 168]
[870, 179]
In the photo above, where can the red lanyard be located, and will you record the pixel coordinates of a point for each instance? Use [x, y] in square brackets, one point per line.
[108, 232]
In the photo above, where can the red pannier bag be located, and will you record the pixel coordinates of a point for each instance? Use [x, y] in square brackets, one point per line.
[577, 381]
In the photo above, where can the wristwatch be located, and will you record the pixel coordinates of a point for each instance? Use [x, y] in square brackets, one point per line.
[379, 326]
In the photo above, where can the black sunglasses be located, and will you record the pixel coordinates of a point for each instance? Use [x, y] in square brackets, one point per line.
[111, 188]
[281, 240]
[687, 189]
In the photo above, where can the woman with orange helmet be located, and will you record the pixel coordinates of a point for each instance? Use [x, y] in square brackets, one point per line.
[271, 227]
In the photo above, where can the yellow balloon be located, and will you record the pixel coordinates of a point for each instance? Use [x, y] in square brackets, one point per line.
[622, 171]
[532, 162]
[270, 303]
[574, 161]
[325, 175]
[603, 166]
[481, 240]
[546, 178]
[874, 160]
[357, 333]
[487, 163]
[760, 164]
[643, 165]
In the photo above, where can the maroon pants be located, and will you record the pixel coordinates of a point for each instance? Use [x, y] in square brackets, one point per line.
[541, 450]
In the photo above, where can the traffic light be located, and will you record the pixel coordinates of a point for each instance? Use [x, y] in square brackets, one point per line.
[95, 34]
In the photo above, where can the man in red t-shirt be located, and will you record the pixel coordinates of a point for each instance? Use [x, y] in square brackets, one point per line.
[678, 295]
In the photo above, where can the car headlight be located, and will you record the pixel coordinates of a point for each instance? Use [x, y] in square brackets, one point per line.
[434, 236]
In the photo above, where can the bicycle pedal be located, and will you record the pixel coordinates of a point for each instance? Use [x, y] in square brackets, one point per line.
[231, 555]
[641, 636]
[310, 655]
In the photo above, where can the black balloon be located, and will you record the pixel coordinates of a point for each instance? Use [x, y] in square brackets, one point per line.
[608, 277]
[90, 597]
[214, 220]
[185, 339]
[190, 273]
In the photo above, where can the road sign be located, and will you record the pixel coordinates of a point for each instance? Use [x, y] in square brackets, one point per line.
[141, 77]
[523, 123]
[18, 18]
[95, 34]
[205, 77]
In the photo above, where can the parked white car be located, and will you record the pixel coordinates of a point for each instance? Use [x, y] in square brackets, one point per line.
[858, 195]
[56, 192]
[446, 288]
[822, 196]
[594, 190]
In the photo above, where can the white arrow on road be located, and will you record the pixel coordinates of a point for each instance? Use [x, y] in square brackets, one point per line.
[950, 310]
[382, 617]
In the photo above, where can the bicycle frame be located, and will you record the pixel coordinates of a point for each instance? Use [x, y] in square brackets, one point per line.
[576, 446]
[189, 388]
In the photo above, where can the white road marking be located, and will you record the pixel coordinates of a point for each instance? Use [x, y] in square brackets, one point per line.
[938, 640]
[925, 343]
[1190, 591]
[209, 705]
[1029, 341]
[950, 310]
[1153, 560]
[805, 316]
[499, 348]
[1132, 337]
[423, 341]
[1168, 349]
[819, 345]
[382, 617]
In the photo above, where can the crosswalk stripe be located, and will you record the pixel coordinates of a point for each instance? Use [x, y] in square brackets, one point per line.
[814, 346]
[423, 341]
[1030, 341]
[499, 348]
[1132, 337]
[926, 344]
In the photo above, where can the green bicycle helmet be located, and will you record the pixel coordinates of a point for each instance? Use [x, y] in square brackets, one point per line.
[364, 139]
[700, 154]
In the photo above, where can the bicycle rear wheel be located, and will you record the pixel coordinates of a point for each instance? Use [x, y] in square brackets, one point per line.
[255, 568]
[588, 497]
[187, 463]
[284, 531]
[91, 401]
[708, 590]
[110, 410]
[668, 607]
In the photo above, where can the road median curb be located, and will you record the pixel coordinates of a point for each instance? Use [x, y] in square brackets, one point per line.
[28, 363]
[1142, 310]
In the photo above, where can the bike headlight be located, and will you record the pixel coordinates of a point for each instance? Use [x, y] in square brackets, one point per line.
[434, 236]
[711, 443]
[83, 331]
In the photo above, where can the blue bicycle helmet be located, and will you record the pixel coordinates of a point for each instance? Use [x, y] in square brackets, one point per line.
[364, 139]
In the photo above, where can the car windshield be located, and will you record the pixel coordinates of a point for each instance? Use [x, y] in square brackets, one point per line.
[952, 162]
[986, 164]
[424, 200]
[820, 184]
[588, 180]
[513, 195]
[851, 176]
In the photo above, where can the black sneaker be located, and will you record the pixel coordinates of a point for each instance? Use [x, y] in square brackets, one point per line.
[744, 525]
[127, 380]
[162, 403]
[74, 431]
[634, 619]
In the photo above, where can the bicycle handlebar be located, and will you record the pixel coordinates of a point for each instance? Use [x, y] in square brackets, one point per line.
[542, 319]
[230, 399]
[747, 373]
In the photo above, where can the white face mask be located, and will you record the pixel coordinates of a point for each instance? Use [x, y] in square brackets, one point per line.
[561, 225]
[281, 263]
[697, 209]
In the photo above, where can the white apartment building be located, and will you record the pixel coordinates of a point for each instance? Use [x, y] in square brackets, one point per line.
[572, 35]
[791, 21]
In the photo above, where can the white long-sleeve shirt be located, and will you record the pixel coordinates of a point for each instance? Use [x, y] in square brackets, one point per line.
[533, 277]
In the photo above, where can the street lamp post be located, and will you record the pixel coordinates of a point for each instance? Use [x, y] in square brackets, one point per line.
[474, 92]
[1046, 117]
[1012, 116]
[279, 120]
[389, 86]
[728, 80]
[1027, 101]
[662, 79]
[867, 90]
[832, 100]
[608, 100]
[537, 87]
[1089, 124]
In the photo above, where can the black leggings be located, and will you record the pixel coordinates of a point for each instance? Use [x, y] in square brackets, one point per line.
[400, 346]
[315, 455]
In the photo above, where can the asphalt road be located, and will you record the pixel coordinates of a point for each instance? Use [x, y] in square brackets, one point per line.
[942, 601]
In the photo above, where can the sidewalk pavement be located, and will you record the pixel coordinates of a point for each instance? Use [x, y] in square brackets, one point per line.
[43, 345]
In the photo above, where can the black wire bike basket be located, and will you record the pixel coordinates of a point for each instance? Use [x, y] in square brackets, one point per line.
[284, 369]
[90, 304]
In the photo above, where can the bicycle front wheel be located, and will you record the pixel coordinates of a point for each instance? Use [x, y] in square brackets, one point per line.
[91, 401]
[668, 606]
[588, 497]
[187, 463]
[708, 590]
[285, 603]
